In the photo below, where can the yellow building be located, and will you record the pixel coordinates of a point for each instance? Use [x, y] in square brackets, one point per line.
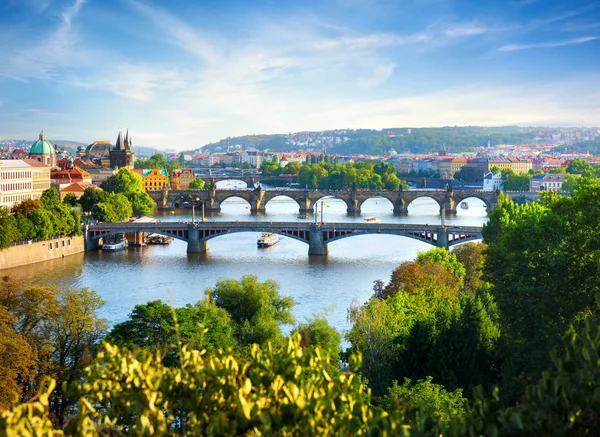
[181, 179]
[155, 179]
[448, 166]
[22, 179]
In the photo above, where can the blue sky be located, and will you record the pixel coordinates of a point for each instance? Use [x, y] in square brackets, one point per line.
[182, 73]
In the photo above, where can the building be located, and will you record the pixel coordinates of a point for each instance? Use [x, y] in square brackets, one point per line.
[181, 179]
[62, 178]
[448, 166]
[98, 152]
[22, 179]
[122, 155]
[155, 179]
[43, 151]
[76, 188]
[101, 174]
[546, 182]
[484, 165]
[252, 158]
[493, 182]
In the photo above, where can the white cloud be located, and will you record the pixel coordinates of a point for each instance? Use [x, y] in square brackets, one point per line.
[466, 29]
[547, 45]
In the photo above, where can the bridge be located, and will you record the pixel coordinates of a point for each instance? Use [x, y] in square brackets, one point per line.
[316, 235]
[250, 179]
[306, 199]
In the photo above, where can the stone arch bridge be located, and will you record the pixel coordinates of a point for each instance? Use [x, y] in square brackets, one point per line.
[306, 199]
[316, 235]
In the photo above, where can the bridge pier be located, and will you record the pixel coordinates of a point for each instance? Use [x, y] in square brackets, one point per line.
[353, 207]
[449, 205]
[442, 238]
[306, 206]
[400, 208]
[195, 245]
[316, 245]
[89, 242]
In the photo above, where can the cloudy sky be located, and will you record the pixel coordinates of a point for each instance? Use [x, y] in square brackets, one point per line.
[182, 73]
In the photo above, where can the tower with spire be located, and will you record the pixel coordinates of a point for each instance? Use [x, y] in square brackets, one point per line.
[122, 154]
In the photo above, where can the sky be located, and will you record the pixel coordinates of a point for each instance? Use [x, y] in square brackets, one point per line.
[180, 74]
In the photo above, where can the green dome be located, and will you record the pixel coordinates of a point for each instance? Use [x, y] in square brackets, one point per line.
[42, 147]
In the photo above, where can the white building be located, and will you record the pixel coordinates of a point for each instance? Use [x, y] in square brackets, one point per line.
[546, 182]
[492, 182]
[22, 179]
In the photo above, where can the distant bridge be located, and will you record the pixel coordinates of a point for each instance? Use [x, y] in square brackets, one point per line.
[306, 199]
[316, 235]
[249, 179]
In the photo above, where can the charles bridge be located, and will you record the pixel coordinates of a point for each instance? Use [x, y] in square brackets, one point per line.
[258, 198]
[316, 235]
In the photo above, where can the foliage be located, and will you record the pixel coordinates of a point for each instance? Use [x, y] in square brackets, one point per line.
[159, 161]
[8, 228]
[71, 199]
[319, 333]
[196, 184]
[468, 173]
[256, 308]
[471, 256]
[542, 260]
[424, 398]
[582, 168]
[57, 332]
[515, 181]
[571, 183]
[113, 208]
[157, 326]
[130, 185]
[445, 258]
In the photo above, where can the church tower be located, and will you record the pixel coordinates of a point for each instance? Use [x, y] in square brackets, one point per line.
[121, 155]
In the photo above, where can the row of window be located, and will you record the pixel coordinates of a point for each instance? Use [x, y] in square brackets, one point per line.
[56, 245]
[11, 200]
[16, 186]
[17, 174]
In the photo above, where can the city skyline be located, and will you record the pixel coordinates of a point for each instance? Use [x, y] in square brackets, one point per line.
[183, 77]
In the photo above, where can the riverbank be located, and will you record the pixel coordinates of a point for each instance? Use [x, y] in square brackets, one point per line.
[25, 254]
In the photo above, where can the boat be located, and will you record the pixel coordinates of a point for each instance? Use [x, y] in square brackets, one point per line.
[267, 239]
[464, 205]
[115, 244]
[372, 220]
[158, 239]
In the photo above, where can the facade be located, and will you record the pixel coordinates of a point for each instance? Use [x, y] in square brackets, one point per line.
[99, 175]
[22, 179]
[447, 167]
[76, 188]
[484, 165]
[252, 158]
[122, 155]
[43, 151]
[546, 182]
[181, 179]
[155, 179]
[60, 179]
[493, 182]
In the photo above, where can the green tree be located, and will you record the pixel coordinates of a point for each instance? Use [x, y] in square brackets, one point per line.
[196, 184]
[71, 199]
[515, 182]
[581, 167]
[114, 208]
[317, 332]
[571, 183]
[471, 256]
[8, 228]
[50, 198]
[92, 196]
[256, 308]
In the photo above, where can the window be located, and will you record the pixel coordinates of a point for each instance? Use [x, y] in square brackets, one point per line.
[49, 245]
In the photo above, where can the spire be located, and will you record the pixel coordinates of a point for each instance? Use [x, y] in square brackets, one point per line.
[119, 144]
[42, 136]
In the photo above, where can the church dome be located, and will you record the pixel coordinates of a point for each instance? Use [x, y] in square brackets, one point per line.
[42, 147]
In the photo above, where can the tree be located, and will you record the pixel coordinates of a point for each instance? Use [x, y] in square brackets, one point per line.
[8, 228]
[157, 326]
[515, 182]
[130, 185]
[581, 167]
[114, 208]
[50, 198]
[470, 255]
[542, 258]
[71, 200]
[468, 173]
[92, 196]
[424, 398]
[319, 333]
[571, 183]
[256, 308]
[196, 184]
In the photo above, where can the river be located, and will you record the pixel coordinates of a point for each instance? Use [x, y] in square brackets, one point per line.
[319, 286]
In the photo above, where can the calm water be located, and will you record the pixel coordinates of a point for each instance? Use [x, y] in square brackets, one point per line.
[138, 275]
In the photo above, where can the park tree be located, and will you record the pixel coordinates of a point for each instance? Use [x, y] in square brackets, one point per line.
[130, 185]
[114, 208]
[257, 309]
[542, 258]
[8, 228]
[26, 206]
[92, 196]
[582, 168]
[471, 256]
[157, 326]
[196, 184]
[571, 183]
[71, 200]
[317, 332]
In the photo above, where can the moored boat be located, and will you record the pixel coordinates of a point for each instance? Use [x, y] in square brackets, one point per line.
[372, 220]
[115, 244]
[158, 239]
[464, 205]
[267, 239]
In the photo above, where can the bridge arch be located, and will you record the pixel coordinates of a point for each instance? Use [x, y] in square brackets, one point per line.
[460, 197]
[222, 183]
[178, 236]
[281, 196]
[256, 230]
[376, 198]
[408, 202]
[325, 196]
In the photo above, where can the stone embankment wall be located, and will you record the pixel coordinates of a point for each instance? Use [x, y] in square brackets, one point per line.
[24, 254]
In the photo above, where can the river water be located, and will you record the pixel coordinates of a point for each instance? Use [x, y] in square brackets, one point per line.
[319, 286]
